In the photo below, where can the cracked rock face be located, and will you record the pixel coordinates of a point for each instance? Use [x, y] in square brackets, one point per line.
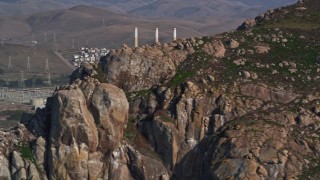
[110, 110]
[211, 124]
[73, 135]
[83, 129]
[84, 139]
[143, 67]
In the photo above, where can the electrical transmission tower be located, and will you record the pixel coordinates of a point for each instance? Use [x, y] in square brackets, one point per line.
[55, 41]
[22, 85]
[47, 65]
[49, 79]
[28, 64]
[10, 64]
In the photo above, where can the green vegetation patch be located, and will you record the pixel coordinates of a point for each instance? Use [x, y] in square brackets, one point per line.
[301, 20]
[136, 94]
[195, 62]
[130, 132]
[100, 74]
[26, 154]
[302, 48]
[179, 77]
[312, 172]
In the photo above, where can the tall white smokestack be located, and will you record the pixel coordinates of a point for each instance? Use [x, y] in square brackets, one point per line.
[157, 36]
[174, 34]
[136, 37]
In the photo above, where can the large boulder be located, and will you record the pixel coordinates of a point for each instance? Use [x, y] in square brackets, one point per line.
[4, 168]
[73, 135]
[249, 23]
[71, 121]
[18, 169]
[109, 106]
[268, 94]
[85, 126]
[215, 49]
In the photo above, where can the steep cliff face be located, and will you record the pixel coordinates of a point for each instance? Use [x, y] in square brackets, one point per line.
[249, 134]
[238, 105]
[83, 141]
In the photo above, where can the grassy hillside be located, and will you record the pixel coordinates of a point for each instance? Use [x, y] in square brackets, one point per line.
[292, 61]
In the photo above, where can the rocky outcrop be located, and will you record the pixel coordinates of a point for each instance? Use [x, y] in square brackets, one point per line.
[85, 139]
[18, 169]
[174, 132]
[215, 49]
[191, 129]
[223, 107]
[262, 49]
[259, 152]
[267, 94]
[73, 136]
[148, 66]
[87, 127]
[4, 168]
[232, 44]
[249, 23]
[143, 67]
